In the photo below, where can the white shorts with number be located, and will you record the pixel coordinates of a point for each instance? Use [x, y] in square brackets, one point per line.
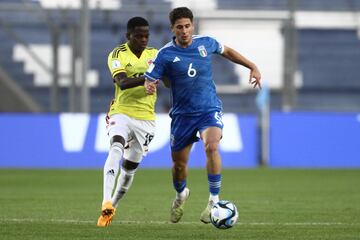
[137, 134]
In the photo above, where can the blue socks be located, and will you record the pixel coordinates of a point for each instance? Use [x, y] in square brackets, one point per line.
[214, 186]
[214, 183]
[179, 185]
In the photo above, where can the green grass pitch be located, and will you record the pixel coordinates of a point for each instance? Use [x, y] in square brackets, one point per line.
[273, 204]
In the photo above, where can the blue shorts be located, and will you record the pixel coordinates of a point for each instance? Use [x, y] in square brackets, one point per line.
[185, 128]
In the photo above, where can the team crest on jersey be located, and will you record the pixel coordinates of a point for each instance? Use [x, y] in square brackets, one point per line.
[202, 51]
[149, 62]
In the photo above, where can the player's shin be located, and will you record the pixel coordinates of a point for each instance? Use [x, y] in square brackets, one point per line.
[111, 169]
[214, 188]
[125, 180]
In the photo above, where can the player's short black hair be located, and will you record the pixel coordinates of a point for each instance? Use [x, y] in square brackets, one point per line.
[136, 22]
[180, 12]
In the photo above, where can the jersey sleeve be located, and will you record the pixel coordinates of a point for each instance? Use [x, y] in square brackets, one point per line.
[114, 63]
[157, 68]
[216, 46]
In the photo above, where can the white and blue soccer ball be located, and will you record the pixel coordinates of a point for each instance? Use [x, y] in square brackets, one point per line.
[224, 214]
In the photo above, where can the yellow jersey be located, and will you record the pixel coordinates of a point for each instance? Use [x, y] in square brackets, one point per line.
[133, 102]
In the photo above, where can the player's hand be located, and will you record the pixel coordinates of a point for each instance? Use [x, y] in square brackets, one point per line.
[150, 86]
[255, 77]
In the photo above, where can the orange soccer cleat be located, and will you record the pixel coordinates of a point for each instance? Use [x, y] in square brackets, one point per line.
[107, 213]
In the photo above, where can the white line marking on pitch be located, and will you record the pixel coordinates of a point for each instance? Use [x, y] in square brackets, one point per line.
[3, 220]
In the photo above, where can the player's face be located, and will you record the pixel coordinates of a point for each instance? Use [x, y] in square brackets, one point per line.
[139, 38]
[183, 29]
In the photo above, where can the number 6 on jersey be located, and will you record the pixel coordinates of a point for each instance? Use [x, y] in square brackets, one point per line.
[191, 71]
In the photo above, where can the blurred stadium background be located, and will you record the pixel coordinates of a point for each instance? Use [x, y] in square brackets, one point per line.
[53, 63]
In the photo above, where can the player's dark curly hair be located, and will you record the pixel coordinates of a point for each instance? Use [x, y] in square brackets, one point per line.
[136, 22]
[180, 12]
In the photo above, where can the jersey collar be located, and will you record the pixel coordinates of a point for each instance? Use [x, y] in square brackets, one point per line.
[129, 49]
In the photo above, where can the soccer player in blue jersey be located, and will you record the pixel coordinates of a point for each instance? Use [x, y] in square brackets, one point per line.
[186, 62]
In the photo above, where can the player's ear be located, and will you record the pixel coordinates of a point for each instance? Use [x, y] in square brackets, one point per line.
[128, 35]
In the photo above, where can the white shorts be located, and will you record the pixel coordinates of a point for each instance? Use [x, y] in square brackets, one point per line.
[137, 134]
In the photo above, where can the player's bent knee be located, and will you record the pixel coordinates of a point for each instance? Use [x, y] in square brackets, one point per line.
[211, 147]
[129, 165]
[133, 156]
[179, 166]
[118, 139]
[116, 146]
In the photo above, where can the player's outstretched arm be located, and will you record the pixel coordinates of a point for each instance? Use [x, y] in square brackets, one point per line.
[125, 82]
[236, 57]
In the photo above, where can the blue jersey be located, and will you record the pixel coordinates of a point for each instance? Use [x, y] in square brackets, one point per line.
[190, 73]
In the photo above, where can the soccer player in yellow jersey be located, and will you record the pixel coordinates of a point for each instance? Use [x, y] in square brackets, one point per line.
[131, 118]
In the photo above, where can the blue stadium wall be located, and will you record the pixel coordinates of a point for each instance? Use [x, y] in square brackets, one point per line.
[306, 140]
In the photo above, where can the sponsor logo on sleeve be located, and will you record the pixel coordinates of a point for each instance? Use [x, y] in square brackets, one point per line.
[115, 64]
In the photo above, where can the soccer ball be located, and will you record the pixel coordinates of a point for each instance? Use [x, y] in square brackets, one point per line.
[224, 214]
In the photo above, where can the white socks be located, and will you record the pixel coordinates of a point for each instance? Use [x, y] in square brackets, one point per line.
[111, 169]
[214, 198]
[181, 195]
[125, 180]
